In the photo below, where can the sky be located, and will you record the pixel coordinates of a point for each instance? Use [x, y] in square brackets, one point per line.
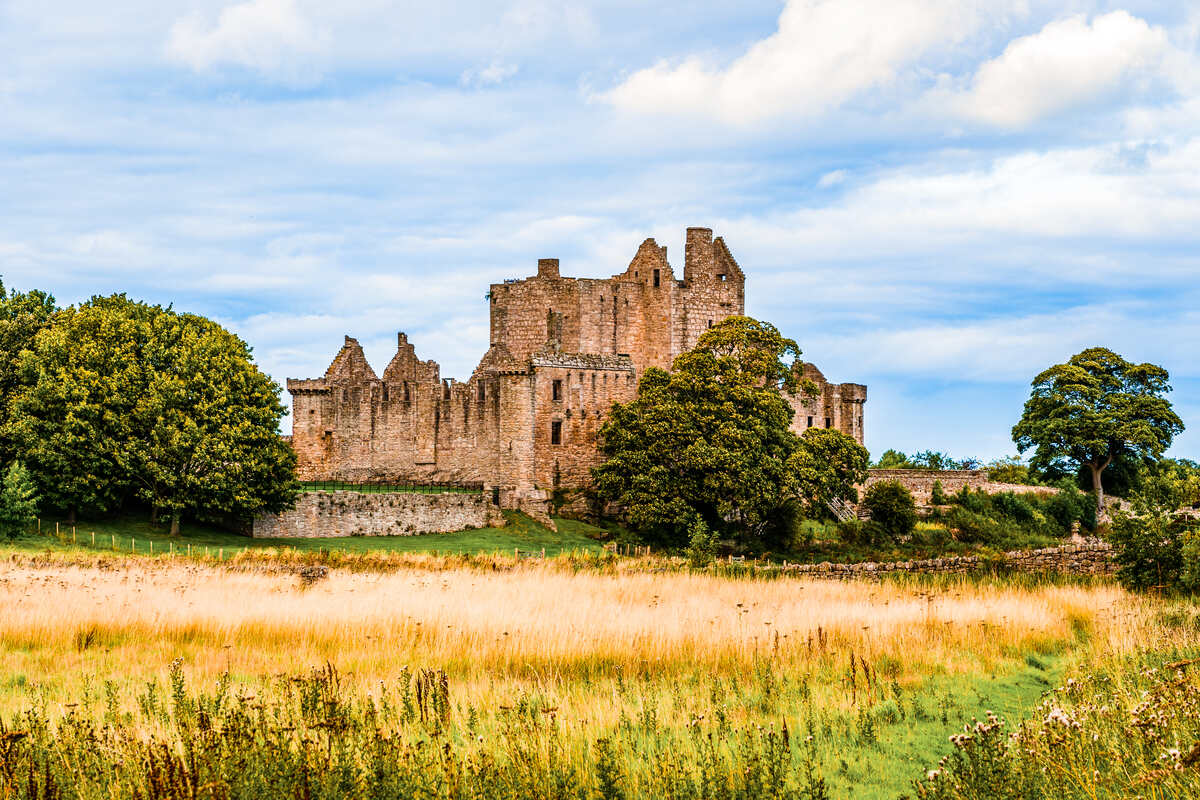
[935, 198]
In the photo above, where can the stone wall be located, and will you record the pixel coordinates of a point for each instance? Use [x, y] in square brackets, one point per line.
[920, 482]
[329, 514]
[1089, 558]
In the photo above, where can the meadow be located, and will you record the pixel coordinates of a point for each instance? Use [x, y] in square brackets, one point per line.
[489, 676]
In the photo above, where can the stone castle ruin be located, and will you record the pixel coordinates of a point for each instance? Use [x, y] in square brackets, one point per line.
[526, 422]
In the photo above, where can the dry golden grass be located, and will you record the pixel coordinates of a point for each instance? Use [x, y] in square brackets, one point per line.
[532, 626]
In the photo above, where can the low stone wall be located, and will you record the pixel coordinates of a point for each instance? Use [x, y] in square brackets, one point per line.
[920, 482]
[1090, 558]
[329, 514]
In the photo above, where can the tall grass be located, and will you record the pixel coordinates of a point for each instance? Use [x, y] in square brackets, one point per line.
[596, 675]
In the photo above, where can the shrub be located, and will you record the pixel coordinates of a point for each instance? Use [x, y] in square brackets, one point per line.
[972, 527]
[1189, 566]
[1014, 507]
[892, 507]
[18, 501]
[938, 495]
[850, 531]
[1070, 506]
[1148, 548]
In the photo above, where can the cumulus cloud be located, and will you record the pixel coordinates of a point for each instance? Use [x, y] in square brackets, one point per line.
[1069, 63]
[823, 53]
[272, 37]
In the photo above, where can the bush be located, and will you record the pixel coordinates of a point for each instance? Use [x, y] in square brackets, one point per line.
[1189, 567]
[1070, 506]
[892, 507]
[974, 528]
[1148, 549]
[938, 496]
[18, 501]
[1014, 507]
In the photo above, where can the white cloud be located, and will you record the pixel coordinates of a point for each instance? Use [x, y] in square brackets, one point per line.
[270, 36]
[494, 73]
[824, 53]
[1067, 64]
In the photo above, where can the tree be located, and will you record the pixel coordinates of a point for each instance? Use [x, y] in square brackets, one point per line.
[828, 464]
[18, 501]
[74, 418]
[894, 459]
[892, 508]
[1093, 409]
[708, 442]
[126, 399]
[22, 316]
[208, 423]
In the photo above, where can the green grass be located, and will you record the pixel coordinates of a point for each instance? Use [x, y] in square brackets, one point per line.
[907, 746]
[133, 534]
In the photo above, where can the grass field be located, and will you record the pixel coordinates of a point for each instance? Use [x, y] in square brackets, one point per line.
[133, 534]
[496, 677]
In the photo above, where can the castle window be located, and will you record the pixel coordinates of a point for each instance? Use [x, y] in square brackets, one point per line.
[710, 323]
[556, 390]
[407, 395]
[482, 392]
[721, 277]
[810, 422]
[556, 432]
[828, 422]
[656, 277]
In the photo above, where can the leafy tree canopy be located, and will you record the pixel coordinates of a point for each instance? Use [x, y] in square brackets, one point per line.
[22, 316]
[1093, 409]
[827, 465]
[18, 501]
[926, 459]
[707, 447]
[127, 399]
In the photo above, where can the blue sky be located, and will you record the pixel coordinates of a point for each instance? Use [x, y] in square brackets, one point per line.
[935, 198]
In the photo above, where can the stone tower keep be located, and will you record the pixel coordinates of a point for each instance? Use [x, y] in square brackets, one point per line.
[562, 351]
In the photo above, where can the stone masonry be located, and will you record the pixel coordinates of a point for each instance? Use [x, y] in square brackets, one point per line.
[330, 514]
[1087, 558]
[526, 421]
[920, 482]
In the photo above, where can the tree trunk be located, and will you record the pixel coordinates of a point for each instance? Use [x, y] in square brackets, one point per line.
[71, 516]
[1098, 487]
[174, 523]
[153, 515]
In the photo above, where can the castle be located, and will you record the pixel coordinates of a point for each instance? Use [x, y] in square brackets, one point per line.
[526, 422]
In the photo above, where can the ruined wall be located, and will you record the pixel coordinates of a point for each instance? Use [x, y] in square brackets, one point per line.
[920, 482]
[330, 514]
[592, 336]
[837, 406]
[1089, 558]
[588, 385]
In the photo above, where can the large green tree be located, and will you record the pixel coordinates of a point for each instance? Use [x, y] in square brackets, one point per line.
[708, 445]
[207, 426]
[74, 419]
[1093, 409]
[22, 316]
[125, 399]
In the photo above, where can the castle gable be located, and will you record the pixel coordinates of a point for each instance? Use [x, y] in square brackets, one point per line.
[350, 365]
